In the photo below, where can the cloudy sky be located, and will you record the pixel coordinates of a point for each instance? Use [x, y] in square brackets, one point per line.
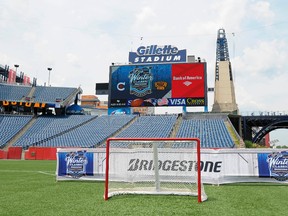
[80, 39]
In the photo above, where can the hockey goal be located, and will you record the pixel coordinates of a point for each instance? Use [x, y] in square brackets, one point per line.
[130, 167]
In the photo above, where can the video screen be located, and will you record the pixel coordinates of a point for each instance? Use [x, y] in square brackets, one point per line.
[178, 84]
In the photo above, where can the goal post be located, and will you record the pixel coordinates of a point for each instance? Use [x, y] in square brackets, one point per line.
[153, 166]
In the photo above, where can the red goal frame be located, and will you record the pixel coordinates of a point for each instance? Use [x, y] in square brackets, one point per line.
[197, 140]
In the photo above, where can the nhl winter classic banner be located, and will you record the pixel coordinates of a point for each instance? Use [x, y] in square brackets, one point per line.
[217, 166]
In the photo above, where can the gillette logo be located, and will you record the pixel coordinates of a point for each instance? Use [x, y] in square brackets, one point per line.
[156, 50]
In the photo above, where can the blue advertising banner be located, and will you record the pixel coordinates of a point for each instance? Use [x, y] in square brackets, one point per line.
[119, 111]
[274, 165]
[75, 164]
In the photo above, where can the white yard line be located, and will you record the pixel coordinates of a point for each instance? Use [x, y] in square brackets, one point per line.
[29, 171]
[46, 173]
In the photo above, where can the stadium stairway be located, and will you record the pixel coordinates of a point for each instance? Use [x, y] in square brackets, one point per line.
[30, 95]
[71, 97]
[239, 142]
[176, 126]
[118, 132]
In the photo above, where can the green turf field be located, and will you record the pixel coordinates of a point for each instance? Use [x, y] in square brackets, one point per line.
[29, 188]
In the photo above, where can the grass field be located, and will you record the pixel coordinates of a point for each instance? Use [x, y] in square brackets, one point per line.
[30, 188]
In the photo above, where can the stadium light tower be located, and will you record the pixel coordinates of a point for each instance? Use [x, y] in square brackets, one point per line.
[16, 67]
[49, 69]
[224, 92]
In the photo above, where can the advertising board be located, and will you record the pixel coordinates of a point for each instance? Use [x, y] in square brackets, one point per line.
[219, 166]
[157, 54]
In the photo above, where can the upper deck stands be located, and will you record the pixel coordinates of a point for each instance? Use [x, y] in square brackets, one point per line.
[13, 92]
[52, 94]
[40, 93]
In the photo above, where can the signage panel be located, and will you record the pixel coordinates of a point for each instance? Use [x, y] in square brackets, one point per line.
[157, 54]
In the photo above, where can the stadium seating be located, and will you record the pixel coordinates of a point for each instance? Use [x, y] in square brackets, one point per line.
[72, 131]
[46, 94]
[92, 131]
[13, 93]
[212, 132]
[150, 126]
[10, 126]
[46, 127]
[41, 93]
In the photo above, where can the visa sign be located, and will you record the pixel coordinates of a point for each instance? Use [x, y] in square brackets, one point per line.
[177, 101]
[156, 54]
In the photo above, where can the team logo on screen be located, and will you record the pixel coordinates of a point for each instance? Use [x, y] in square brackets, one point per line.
[161, 85]
[121, 86]
[141, 81]
[187, 83]
[278, 165]
[76, 163]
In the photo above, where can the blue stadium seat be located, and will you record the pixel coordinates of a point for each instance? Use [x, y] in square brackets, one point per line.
[13, 92]
[158, 126]
[10, 126]
[212, 132]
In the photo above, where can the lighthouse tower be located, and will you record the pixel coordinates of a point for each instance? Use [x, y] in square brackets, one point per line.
[224, 92]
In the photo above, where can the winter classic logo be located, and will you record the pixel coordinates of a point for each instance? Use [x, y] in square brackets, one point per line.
[141, 81]
[76, 163]
[278, 165]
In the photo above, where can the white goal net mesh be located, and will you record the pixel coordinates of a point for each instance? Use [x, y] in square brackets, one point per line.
[153, 166]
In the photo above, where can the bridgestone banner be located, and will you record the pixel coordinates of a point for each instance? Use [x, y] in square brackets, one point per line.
[217, 166]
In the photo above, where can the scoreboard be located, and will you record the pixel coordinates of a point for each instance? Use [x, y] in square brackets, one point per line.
[172, 84]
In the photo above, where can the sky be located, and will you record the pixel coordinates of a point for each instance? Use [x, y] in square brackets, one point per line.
[80, 39]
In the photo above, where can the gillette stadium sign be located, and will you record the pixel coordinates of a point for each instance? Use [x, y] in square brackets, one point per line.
[157, 54]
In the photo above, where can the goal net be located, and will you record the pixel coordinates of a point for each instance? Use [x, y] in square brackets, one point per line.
[153, 166]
